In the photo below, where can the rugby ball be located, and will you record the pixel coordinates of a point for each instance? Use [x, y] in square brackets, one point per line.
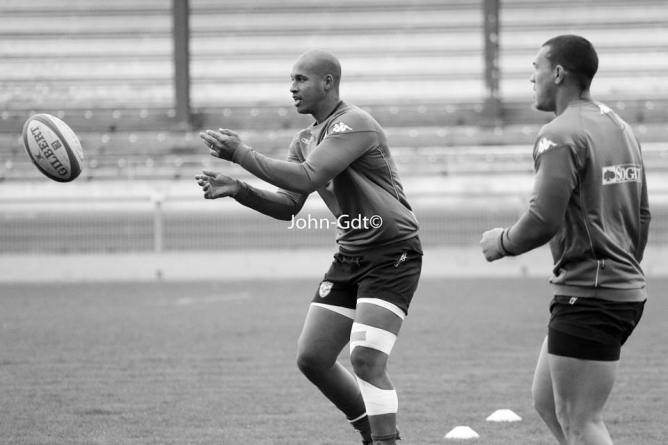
[53, 147]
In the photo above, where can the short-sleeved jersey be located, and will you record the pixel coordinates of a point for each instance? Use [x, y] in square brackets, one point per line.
[347, 160]
[590, 190]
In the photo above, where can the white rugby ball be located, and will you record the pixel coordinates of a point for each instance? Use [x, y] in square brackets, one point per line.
[53, 147]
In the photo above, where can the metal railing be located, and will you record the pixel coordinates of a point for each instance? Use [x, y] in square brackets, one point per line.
[164, 221]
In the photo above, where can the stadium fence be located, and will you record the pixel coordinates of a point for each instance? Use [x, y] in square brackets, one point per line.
[177, 218]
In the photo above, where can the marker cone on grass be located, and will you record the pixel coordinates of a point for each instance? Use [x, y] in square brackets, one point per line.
[462, 432]
[503, 415]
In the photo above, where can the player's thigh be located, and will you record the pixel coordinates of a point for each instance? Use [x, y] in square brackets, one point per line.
[325, 333]
[381, 315]
[541, 389]
[581, 387]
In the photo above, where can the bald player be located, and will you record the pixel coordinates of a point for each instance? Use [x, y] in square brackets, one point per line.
[364, 296]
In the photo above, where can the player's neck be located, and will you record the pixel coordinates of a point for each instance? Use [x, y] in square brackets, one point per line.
[326, 111]
[570, 98]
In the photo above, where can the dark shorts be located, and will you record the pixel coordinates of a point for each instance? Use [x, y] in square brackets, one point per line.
[591, 328]
[388, 273]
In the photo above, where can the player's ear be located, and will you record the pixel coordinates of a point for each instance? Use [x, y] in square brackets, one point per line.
[329, 81]
[559, 74]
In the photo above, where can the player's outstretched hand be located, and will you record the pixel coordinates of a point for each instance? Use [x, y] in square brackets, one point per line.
[491, 244]
[217, 185]
[222, 143]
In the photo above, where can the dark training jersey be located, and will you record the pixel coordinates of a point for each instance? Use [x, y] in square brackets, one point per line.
[590, 202]
[346, 159]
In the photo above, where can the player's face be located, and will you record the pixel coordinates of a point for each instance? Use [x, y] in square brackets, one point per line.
[542, 78]
[307, 88]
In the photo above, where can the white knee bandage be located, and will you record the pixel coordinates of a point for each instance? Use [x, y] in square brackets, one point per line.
[378, 401]
[370, 337]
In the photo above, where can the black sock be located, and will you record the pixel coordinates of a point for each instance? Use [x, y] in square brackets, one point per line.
[363, 426]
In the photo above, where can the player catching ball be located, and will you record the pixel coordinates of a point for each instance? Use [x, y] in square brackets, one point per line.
[590, 202]
[364, 296]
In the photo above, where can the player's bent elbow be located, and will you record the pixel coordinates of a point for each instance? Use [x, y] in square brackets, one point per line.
[280, 215]
[304, 189]
[305, 185]
[285, 217]
[545, 234]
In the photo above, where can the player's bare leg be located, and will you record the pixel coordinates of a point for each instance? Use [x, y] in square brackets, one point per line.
[543, 395]
[324, 335]
[371, 341]
[581, 389]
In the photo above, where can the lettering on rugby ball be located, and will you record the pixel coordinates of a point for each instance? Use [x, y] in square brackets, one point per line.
[53, 147]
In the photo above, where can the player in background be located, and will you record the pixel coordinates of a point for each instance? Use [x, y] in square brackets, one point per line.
[589, 202]
[364, 296]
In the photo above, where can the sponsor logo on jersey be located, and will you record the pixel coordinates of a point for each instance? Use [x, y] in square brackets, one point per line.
[617, 174]
[339, 127]
[545, 144]
[307, 141]
[325, 288]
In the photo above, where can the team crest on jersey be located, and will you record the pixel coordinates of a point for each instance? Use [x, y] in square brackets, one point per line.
[617, 174]
[325, 288]
[545, 144]
[339, 127]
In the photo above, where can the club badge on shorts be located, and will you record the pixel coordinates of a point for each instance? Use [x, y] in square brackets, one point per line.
[325, 288]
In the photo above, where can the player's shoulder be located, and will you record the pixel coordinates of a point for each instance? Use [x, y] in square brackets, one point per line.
[551, 137]
[350, 118]
[567, 123]
[564, 130]
[608, 115]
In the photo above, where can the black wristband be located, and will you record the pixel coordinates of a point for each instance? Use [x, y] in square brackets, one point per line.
[504, 251]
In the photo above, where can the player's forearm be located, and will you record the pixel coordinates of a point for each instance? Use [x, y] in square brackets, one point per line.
[530, 232]
[272, 204]
[645, 218]
[552, 192]
[291, 176]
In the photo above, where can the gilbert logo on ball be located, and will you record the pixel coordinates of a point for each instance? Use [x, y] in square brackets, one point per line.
[53, 147]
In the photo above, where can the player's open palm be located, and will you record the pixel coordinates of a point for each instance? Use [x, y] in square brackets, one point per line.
[216, 185]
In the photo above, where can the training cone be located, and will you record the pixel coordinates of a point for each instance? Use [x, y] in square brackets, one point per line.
[462, 432]
[503, 415]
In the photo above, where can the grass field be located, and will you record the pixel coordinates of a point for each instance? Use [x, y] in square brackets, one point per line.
[213, 363]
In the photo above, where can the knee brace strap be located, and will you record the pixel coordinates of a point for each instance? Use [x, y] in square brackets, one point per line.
[378, 401]
[370, 337]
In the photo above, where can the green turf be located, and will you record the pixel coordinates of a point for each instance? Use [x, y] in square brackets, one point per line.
[213, 363]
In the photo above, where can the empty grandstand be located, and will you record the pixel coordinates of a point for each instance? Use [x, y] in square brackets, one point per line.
[108, 70]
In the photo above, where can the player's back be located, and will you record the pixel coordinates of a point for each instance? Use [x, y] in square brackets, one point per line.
[603, 230]
[609, 155]
[611, 138]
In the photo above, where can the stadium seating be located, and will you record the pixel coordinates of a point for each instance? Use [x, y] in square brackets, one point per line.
[107, 69]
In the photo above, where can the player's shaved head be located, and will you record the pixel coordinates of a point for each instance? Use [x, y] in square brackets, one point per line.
[315, 83]
[575, 54]
[320, 62]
